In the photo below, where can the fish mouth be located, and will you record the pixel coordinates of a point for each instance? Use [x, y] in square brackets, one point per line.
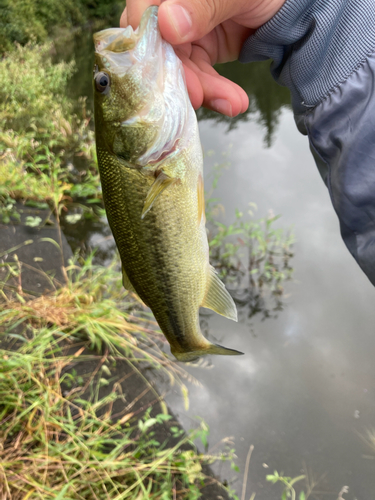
[143, 64]
[117, 49]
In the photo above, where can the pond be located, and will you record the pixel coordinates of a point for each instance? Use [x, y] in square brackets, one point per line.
[304, 392]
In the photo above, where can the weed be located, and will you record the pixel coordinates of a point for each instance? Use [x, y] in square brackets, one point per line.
[288, 483]
[30, 96]
[8, 210]
[41, 135]
[92, 305]
[60, 445]
[53, 440]
[251, 255]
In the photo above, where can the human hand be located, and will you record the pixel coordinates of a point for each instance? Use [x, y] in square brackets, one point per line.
[203, 33]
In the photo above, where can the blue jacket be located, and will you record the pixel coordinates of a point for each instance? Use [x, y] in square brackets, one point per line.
[324, 51]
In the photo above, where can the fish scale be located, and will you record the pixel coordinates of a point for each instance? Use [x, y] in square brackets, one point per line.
[154, 198]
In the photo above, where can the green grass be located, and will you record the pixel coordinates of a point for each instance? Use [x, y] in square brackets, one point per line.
[91, 305]
[56, 446]
[57, 443]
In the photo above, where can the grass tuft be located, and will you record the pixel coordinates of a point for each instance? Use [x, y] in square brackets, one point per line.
[58, 434]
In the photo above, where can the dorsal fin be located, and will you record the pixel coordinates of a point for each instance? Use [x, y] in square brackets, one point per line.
[217, 297]
[161, 182]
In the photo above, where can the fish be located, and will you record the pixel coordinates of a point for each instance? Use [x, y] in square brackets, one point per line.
[151, 168]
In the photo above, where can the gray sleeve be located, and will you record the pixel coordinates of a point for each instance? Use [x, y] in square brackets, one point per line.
[323, 50]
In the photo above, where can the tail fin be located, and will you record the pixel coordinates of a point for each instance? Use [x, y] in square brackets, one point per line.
[203, 351]
[219, 349]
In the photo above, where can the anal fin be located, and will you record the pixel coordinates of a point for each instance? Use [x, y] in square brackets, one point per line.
[217, 297]
[128, 285]
[162, 181]
[126, 281]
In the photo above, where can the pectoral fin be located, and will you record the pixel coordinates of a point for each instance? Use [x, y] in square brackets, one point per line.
[126, 281]
[217, 297]
[161, 182]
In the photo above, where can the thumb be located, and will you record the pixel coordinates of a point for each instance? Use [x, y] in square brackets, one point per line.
[183, 21]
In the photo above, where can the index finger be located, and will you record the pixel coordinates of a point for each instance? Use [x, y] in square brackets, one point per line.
[134, 10]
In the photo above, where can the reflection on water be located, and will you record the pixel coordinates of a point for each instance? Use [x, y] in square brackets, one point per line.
[305, 388]
[266, 100]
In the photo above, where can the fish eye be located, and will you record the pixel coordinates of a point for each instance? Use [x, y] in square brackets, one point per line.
[102, 82]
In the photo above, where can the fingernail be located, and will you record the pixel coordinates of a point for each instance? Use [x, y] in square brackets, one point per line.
[180, 19]
[222, 106]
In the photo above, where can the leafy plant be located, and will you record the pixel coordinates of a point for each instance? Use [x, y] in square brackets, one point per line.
[30, 94]
[24, 20]
[41, 135]
[288, 482]
[8, 210]
[32, 221]
[253, 256]
[250, 254]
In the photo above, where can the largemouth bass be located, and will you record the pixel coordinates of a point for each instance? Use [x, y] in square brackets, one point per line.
[151, 168]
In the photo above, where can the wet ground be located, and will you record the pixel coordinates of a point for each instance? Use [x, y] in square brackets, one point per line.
[304, 393]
